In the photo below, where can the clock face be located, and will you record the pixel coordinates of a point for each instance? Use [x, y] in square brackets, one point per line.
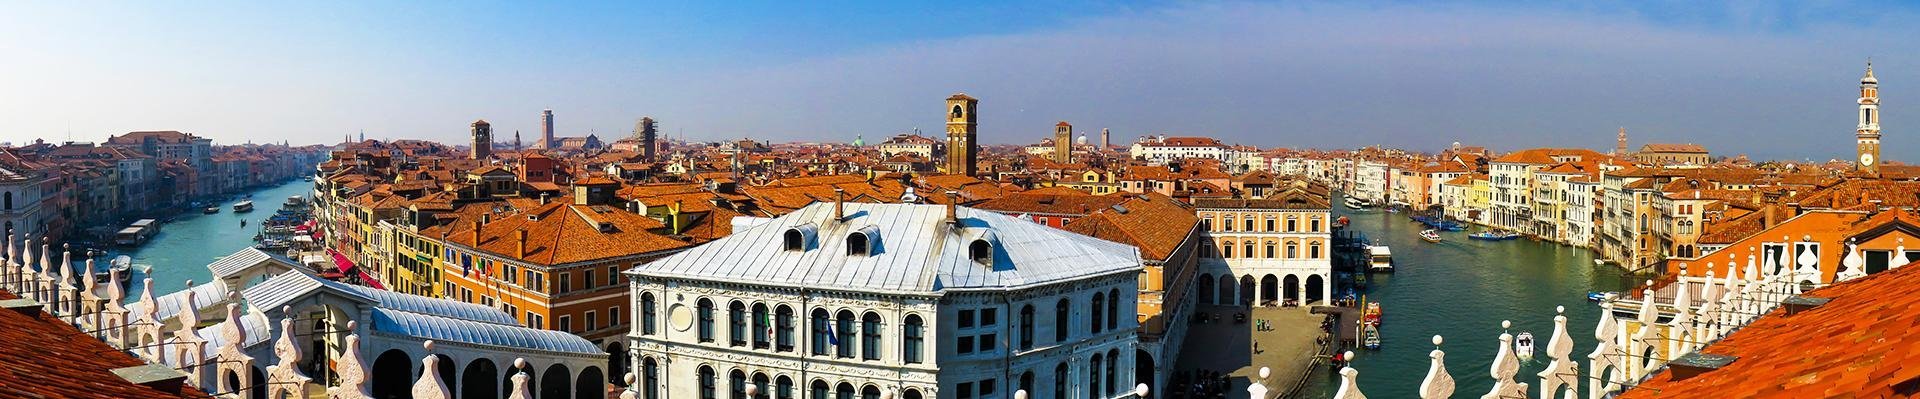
[1866, 159]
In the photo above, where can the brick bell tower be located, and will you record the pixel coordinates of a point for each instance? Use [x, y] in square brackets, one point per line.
[1867, 134]
[963, 146]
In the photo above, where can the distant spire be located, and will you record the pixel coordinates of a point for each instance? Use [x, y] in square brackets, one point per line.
[1620, 149]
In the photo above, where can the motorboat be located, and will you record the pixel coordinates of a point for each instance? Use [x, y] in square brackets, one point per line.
[1355, 203]
[211, 210]
[1430, 235]
[123, 264]
[272, 245]
[1380, 258]
[1370, 337]
[1494, 235]
[243, 206]
[1601, 296]
[1523, 346]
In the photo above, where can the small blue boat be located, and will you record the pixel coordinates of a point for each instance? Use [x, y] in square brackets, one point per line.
[1494, 235]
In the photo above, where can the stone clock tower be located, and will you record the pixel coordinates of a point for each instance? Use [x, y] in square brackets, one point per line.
[963, 145]
[1868, 133]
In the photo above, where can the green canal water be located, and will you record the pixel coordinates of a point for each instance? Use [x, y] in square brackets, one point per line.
[185, 246]
[1462, 289]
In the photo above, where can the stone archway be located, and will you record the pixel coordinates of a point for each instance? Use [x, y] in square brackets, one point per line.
[389, 375]
[476, 382]
[1143, 370]
[557, 383]
[1246, 290]
[1269, 289]
[1291, 287]
[1225, 296]
[617, 364]
[1316, 288]
[1206, 289]
[590, 384]
[533, 378]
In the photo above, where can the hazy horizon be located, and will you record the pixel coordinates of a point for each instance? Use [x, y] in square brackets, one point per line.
[1770, 80]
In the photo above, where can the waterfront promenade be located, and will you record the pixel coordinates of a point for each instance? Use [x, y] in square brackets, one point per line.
[1224, 346]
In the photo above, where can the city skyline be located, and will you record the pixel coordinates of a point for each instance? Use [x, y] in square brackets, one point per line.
[1257, 74]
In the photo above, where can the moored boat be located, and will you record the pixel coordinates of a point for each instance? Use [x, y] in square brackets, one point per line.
[1380, 258]
[1430, 235]
[1523, 346]
[1494, 235]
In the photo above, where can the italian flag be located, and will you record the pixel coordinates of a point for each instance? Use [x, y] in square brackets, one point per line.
[766, 320]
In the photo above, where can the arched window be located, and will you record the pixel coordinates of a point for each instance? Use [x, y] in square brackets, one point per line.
[1113, 360]
[737, 324]
[818, 390]
[765, 387]
[821, 332]
[783, 328]
[707, 383]
[870, 392]
[870, 326]
[1026, 327]
[843, 391]
[911, 394]
[1026, 382]
[1060, 380]
[956, 112]
[705, 310]
[783, 388]
[762, 327]
[981, 252]
[1113, 309]
[843, 329]
[914, 338]
[795, 241]
[1093, 375]
[1060, 319]
[650, 378]
[857, 244]
[737, 385]
[648, 325]
[1099, 300]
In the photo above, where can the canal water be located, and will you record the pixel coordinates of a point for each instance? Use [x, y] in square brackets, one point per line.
[192, 240]
[1462, 289]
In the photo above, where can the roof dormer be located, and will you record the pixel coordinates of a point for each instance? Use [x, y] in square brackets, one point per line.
[864, 241]
[800, 238]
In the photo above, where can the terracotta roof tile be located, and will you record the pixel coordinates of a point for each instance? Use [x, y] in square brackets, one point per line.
[45, 358]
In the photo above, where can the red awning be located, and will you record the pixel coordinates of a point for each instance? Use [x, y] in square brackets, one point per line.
[346, 266]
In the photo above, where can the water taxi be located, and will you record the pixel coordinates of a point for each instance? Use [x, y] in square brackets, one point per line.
[122, 264]
[1523, 346]
[1430, 235]
[136, 233]
[243, 206]
[1380, 258]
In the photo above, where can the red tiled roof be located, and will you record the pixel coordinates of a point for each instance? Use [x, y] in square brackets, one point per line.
[45, 358]
[1858, 345]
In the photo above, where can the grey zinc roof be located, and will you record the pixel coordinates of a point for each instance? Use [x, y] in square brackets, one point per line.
[432, 306]
[916, 252]
[205, 295]
[230, 264]
[510, 337]
[286, 287]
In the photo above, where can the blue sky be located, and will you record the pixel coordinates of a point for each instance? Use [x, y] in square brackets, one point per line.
[1774, 80]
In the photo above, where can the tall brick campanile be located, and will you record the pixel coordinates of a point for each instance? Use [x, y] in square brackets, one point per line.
[963, 146]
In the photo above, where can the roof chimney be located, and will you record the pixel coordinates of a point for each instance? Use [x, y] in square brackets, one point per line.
[953, 211]
[1798, 303]
[839, 204]
[521, 246]
[476, 233]
[543, 198]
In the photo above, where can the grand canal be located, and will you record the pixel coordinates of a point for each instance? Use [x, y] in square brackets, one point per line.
[1462, 289]
[185, 246]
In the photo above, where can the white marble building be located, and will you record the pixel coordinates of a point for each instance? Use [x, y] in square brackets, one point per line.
[844, 300]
